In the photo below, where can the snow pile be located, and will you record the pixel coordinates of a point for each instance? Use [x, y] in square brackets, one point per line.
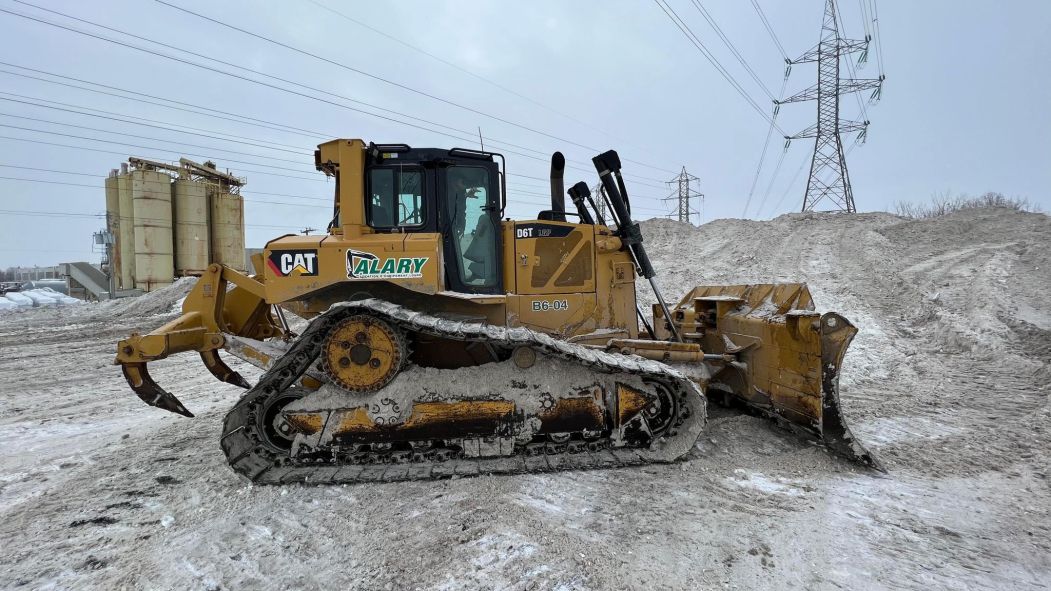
[971, 281]
[35, 298]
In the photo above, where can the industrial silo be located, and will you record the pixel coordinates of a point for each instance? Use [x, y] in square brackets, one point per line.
[228, 230]
[113, 227]
[125, 230]
[152, 206]
[192, 243]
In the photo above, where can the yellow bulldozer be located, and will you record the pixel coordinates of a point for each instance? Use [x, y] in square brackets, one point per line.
[443, 339]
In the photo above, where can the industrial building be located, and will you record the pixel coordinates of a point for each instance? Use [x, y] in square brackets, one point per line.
[168, 220]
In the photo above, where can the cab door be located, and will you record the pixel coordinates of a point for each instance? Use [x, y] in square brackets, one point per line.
[470, 226]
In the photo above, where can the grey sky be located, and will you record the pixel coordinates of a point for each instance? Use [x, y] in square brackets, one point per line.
[964, 109]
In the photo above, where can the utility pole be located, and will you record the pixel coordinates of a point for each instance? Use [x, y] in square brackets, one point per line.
[682, 190]
[828, 169]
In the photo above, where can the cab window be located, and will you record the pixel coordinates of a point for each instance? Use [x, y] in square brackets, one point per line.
[475, 231]
[395, 198]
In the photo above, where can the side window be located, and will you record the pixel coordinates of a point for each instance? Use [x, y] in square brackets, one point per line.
[395, 198]
[474, 232]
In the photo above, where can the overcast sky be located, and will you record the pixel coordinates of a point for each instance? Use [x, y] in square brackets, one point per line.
[965, 107]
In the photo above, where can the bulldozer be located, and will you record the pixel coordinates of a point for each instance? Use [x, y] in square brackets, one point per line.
[438, 338]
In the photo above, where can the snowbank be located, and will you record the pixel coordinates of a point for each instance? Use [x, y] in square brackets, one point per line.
[35, 298]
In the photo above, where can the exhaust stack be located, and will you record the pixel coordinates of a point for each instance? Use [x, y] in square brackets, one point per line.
[558, 187]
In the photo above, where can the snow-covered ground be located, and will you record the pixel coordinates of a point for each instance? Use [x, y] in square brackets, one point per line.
[947, 383]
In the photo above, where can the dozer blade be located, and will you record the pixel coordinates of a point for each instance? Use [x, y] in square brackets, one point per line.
[767, 347]
[140, 381]
[836, 334]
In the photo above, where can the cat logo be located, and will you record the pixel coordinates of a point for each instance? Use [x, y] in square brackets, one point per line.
[293, 263]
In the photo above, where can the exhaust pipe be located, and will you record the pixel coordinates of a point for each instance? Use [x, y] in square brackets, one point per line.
[558, 187]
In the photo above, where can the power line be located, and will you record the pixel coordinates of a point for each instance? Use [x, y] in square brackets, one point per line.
[97, 187]
[80, 137]
[788, 188]
[697, 43]
[248, 191]
[766, 146]
[101, 176]
[251, 121]
[231, 74]
[275, 87]
[769, 29]
[383, 80]
[66, 214]
[461, 69]
[773, 177]
[733, 49]
[161, 124]
[878, 36]
[125, 155]
[144, 137]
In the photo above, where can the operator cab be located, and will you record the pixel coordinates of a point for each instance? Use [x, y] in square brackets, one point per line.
[458, 193]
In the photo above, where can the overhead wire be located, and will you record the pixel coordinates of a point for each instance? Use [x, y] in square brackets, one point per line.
[167, 126]
[318, 134]
[878, 36]
[144, 137]
[190, 63]
[464, 70]
[387, 81]
[762, 155]
[102, 216]
[81, 137]
[95, 175]
[840, 31]
[769, 29]
[699, 45]
[515, 190]
[773, 177]
[96, 187]
[250, 122]
[468, 136]
[247, 120]
[791, 183]
[125, 155]
[733, 48]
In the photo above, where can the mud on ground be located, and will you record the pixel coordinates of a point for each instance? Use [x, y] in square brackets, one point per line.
[947, 383]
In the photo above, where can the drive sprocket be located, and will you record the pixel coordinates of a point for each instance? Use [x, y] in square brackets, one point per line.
[363, 353]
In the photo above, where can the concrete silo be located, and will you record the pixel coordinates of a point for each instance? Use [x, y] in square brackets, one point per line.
[125, 229]
[228, 230]
[192, 233]
[152, 206]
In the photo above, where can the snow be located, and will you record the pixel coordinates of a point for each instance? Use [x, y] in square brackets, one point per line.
[41, 297]
[98, 490]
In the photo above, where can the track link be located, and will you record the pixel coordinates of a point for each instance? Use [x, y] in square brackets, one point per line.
[251, 455]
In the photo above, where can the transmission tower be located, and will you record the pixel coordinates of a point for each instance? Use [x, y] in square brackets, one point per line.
[598, 194]
[682, 191]
[828, 168]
